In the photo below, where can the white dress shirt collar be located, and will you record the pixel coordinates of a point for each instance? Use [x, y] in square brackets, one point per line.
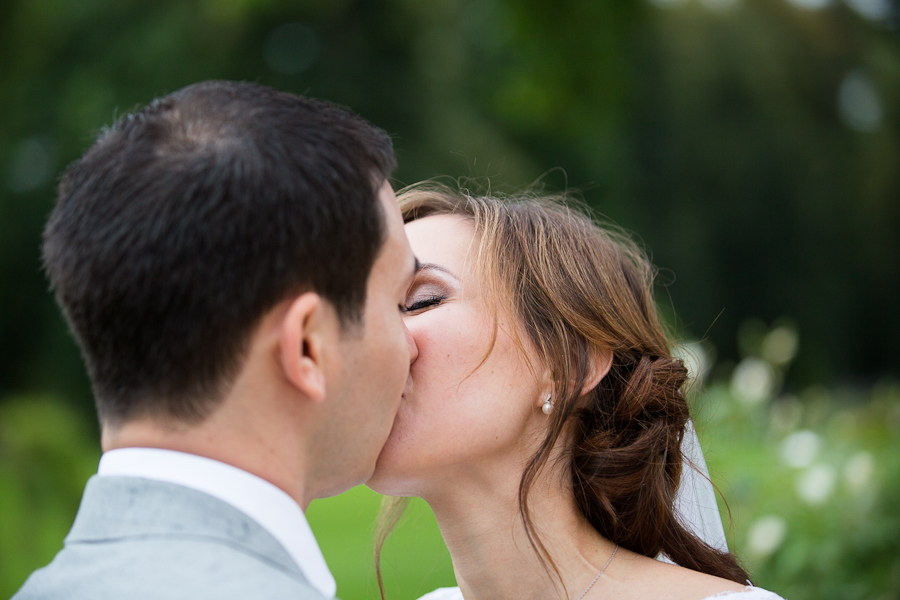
[263, 502]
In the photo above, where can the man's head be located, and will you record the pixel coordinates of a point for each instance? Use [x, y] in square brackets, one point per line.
[190, 221]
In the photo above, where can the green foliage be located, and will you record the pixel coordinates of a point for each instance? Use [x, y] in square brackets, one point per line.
[47, 453]
[813, 485]
[717, 134]
[812, 480]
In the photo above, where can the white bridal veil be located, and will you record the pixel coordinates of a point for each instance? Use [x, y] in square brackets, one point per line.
[696, 499]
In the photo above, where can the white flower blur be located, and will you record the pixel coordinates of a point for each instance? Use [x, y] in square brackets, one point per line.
[816, 484]
[766, 535]
[696, 360]
[858, 471]
[753, 381]
[800, 449]
[779, 347]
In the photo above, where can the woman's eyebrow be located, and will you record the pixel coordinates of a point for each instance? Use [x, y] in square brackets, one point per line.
[436, 267]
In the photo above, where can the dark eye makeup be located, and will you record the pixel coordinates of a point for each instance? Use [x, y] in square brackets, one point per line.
[426, 302]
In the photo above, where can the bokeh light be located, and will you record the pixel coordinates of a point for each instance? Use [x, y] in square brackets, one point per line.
[859, 103]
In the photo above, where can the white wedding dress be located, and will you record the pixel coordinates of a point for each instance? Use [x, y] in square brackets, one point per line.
[695, 504]
[748, 593]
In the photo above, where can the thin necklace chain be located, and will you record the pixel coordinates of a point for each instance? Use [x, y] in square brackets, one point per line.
[600, 573]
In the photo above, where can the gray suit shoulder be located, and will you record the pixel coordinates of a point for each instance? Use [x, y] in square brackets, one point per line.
[140, 539]
[162, 569]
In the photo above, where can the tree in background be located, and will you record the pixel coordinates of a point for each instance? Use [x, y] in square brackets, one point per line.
[753, 144]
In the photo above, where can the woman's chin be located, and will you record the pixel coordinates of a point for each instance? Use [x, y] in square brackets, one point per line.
[387, 486]
[392, 478]
[384, 479]
[378, 484]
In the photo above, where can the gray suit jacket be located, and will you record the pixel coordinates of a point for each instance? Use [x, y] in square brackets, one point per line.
[148, 540]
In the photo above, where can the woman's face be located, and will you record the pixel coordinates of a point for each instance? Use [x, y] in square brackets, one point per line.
[459, 417]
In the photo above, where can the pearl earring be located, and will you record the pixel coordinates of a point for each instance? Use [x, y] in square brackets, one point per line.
[548, 406]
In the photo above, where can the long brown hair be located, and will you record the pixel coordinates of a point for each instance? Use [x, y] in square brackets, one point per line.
[577, 289]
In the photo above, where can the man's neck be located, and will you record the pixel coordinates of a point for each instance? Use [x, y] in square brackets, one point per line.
[243, 448]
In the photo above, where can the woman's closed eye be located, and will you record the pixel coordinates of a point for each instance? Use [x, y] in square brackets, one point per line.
[419, 302]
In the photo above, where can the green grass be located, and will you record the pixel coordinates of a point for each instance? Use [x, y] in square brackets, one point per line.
[415, 560]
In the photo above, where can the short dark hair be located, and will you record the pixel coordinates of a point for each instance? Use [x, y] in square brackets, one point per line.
[188, 220]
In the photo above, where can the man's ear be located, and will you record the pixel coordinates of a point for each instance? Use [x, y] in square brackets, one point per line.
[601, 361]
[304, 333]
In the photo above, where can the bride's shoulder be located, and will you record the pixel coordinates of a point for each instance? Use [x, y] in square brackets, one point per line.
[748, 593]
[656, 579]
[444, 594]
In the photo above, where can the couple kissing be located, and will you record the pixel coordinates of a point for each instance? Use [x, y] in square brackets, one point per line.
[265, 322]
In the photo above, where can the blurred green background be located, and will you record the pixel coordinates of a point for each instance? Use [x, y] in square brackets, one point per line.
[753, 145]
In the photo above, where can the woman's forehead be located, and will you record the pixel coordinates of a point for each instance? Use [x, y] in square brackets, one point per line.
[441, 239]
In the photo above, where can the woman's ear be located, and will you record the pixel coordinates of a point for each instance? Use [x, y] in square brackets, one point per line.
[303, 332]
[601, 361]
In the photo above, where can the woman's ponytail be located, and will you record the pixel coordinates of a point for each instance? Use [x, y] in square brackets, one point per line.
[627, 463]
